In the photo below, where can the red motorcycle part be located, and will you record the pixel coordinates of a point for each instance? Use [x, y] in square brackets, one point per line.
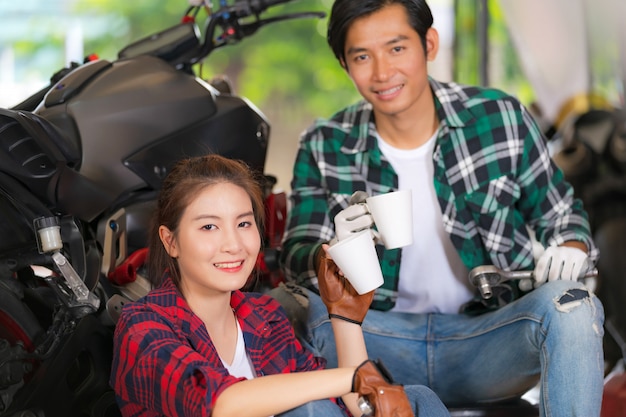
[614, 397]
[126, 272]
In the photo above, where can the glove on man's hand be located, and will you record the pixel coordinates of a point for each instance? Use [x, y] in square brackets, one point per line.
[561, 262]
[352, 219]
[340, 298]
[373, 382]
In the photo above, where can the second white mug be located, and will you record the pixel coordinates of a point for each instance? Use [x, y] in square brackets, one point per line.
[393, 215]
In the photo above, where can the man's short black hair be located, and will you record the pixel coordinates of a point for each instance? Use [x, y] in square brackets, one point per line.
[345, 12]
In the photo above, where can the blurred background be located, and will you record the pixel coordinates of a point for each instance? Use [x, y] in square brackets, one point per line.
[564, 59]
[544, 52]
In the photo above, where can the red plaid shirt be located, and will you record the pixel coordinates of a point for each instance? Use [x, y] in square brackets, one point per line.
[165, 363]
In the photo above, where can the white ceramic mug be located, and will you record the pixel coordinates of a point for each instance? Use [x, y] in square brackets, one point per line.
[356, 257]
[393, 215]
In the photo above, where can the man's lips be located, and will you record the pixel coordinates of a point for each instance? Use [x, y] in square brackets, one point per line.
[390, 91]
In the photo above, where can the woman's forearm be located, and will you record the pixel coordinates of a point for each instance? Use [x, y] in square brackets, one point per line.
[351, 352]
[274, 394]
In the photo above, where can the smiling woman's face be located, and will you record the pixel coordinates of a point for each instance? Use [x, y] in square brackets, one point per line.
[218, 240]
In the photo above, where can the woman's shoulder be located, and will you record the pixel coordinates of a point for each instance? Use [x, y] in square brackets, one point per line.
[159, 304]
[256, 299]
[260, 304]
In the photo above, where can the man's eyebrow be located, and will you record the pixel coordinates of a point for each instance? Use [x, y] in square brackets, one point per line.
[397, 39]
[357, 50]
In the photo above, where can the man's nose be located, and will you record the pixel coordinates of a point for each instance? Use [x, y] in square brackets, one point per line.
[382, 69]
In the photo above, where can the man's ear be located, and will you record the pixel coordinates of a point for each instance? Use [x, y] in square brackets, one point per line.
[342, 62]
[168, 240]
[432, 44]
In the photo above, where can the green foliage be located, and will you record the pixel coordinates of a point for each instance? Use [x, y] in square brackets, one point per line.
[504, 73]
[466, 49]
[127, 21]
[511, 77]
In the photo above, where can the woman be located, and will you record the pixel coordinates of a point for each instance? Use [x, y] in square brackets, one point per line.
[197, 345]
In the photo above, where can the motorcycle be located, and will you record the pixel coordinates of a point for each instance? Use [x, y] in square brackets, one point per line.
[81, 163]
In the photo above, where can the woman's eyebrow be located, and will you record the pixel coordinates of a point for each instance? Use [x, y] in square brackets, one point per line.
[215, 216]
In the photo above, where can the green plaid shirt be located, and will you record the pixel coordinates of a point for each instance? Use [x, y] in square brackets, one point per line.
[494, 179]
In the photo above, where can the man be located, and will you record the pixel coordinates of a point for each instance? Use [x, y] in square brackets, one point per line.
[484, 187]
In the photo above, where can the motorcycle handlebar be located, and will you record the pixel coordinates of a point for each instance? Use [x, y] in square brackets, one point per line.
[258, 6]
[234, 28]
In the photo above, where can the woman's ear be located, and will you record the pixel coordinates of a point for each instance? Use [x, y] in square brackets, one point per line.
[432, 44]
[169, 241]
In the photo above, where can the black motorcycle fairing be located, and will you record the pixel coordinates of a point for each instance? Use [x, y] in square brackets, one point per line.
[31, 150]
[35, 143]
[18, 208]
[68, 86]
[237, 131]
[123, 108]
[79, 196]
[35, 153]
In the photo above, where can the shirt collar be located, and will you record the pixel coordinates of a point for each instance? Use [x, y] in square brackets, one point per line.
[178, 308]
[451, 104]
[358, 119]
[358, 123]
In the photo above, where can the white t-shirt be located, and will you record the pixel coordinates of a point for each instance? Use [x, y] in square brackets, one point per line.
[432, 276]
[241, 366]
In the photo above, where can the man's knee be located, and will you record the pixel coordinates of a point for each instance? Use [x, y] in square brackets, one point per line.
[574, 300]
[295, 302]
[571, 299]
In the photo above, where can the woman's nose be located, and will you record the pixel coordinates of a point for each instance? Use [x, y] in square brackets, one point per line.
[231, 241]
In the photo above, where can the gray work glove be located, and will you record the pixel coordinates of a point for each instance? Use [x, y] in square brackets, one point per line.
[561, 262]
[354, 218]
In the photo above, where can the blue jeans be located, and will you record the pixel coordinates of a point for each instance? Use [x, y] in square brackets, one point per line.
[552, 335]
[423, 400]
